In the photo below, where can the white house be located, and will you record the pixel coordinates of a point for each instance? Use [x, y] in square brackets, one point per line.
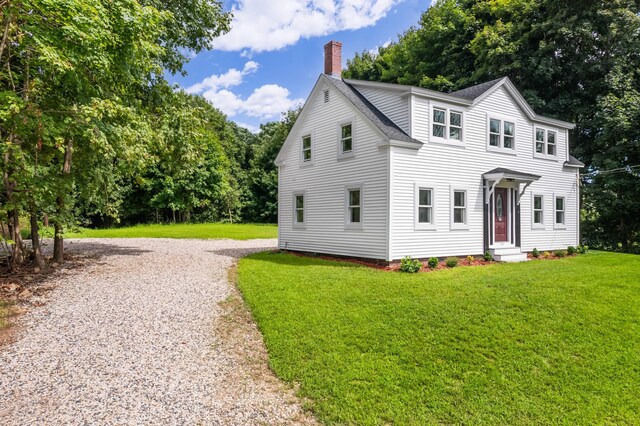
[383, 171]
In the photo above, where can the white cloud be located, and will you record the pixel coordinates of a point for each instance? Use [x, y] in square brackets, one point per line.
[266, 102]
[231, 78]
[249, 127]
[260, 25]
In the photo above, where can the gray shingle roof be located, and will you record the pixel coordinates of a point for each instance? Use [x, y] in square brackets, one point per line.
[386, 126]
[477, 90]
[574, 162]
[512, 172]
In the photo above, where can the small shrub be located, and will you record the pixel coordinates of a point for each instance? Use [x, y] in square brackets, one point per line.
[546, 255]
[487, 256]
[409, 265]
[571, 250]
[470, 259]
[559, 253]
[535, 253]
[433, 262]
[451, 262]
[582, 248]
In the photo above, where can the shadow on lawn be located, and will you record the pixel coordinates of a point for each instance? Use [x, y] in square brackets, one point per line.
[302, 259]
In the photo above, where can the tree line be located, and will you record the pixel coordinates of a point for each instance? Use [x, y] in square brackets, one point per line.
[92, 133]
[574, 60]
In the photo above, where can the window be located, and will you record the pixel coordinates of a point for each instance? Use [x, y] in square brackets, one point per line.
[298, 209]
[560, 210]
[538, 210]
[326, 96]
[447, 124]
[425, 205]
[459, 211]
[546, 143]
[346, 138]
[306, 148]
[355, 206]
[502, 134]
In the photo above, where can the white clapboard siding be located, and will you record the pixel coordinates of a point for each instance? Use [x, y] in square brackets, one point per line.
[444, 166]
[324, 184]
[391, 103]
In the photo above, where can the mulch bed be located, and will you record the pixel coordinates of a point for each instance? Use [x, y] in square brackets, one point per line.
[395, 266]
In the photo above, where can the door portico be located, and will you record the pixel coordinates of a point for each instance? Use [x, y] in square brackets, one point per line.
[503, 189]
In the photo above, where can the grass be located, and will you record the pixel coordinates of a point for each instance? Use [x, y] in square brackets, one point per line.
[544, 342]
[196, 230]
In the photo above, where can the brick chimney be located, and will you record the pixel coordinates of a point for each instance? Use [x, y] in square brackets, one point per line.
[333, 58]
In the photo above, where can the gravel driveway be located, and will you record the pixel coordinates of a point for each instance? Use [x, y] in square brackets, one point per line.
[139, 337]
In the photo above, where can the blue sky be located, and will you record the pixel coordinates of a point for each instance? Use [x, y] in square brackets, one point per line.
[273, 55]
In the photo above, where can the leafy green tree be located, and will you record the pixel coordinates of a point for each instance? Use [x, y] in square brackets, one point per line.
[263, 173]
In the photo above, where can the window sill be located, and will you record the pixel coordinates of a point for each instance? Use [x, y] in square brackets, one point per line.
[560, 227]
[299, 226]
[353, 226]
[306, 164]
[450, 142]
[424, 227]
[538, 226]
[345, 155]
[459, 227]
[501, 150]
[545, 157]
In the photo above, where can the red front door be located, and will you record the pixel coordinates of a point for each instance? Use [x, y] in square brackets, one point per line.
[500, 214]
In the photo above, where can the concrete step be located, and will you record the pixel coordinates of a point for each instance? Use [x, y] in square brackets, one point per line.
[505, 250]
[513, 257]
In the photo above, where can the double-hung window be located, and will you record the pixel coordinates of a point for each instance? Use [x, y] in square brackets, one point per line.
[424, 207]
[354, 207]
[538, 210]
[459, 208]
[447, 124]
[306, 149]
[298, 209]
[560, 211]
[346, 138]
[502, 134]
[546, 144]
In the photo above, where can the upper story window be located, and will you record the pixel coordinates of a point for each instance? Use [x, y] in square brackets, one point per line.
[447, 124]
[546, 143]
[502, 133]
[306, 149]
[346, 138]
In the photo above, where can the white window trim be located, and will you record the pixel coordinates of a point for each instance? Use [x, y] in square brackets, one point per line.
[419, 226]
[501, 149]
[453, 225]
[303, 135]
[296, 224]
[352, 153]
[564, 224]
[544, 154]
[446, 140]
[347, 219]
[535, 225]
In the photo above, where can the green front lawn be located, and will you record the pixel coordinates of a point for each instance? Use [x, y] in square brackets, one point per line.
[196, 230]
[543, 342]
